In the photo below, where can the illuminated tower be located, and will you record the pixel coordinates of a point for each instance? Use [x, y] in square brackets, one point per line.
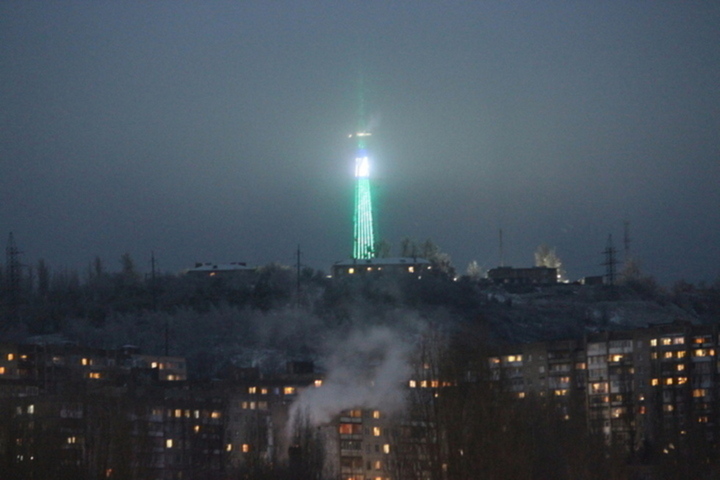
[364, 242]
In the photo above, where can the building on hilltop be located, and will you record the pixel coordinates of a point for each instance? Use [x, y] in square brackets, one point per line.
[221, 270]
[413, 266]
[523, 276]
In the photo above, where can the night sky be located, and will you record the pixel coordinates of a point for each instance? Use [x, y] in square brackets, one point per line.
[217, 131]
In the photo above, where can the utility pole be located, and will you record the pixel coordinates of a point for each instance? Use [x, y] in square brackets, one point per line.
[502, 252]
[298, 274]
[153, 290]
[626, 240]
[610, 262]
[12, 260]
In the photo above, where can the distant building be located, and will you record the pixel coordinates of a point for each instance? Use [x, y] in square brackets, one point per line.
[523, 276]
[593, 280]
[221, 270]
[387, 266]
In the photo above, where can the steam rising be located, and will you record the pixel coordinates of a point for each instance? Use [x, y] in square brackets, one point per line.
[366, 369]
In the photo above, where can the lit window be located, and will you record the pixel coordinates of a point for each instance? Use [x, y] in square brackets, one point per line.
[564, 379]
[681, 354]
[178, 413]
[215, 414]
[355, 413]
[654, 355]
[2, 370]
[289, 390]
[494, 360]
[318, 383]
[599, 387]
[347, 429]
[434, 383]
[580, 366]
[245, 447]
[84, 361]
[616, 358]
[701, 352]
[679, 341]
[411, 269]
[653, 342]
[351, 270]
[376, 431]
[561, 393]
[699, 392]
[680, 367]
[669, 381]
[252, 390]
[228, 447]
[703, 419]
[668, 355]
[667, 341]
[196, 428]
[154, 365]
[196, 413]
[682, 380]
[95, 375]
[376, 413]
[377, 465]
[521, 394]
[668, 408]
[386, 448]
[423, 383]
[71, 440]
[244, 405]
[10, 357]
[263, 391]
[412, 384]
[168, 443]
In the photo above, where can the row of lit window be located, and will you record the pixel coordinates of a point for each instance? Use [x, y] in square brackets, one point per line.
[678, 341]
[700, 352]
[351, 270]
[254, 405]
[29, 410]
[285, 390]
[356, 429]
[179, 413]
[669, 381]
[506, 358]
[358, 413]
[428, 384]
[667, 341]
[245, 447]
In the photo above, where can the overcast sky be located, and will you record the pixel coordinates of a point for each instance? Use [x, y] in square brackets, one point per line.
[217, 131]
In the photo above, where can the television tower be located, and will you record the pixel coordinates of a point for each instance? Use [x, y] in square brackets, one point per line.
[363, 236]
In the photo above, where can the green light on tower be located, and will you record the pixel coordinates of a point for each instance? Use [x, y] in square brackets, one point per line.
[364, 242]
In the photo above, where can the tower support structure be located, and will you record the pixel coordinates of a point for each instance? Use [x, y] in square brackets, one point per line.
[363, 234]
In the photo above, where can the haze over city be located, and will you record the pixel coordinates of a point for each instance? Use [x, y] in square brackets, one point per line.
[218, 132]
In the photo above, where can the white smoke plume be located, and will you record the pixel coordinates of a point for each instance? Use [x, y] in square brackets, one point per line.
[366, 369]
